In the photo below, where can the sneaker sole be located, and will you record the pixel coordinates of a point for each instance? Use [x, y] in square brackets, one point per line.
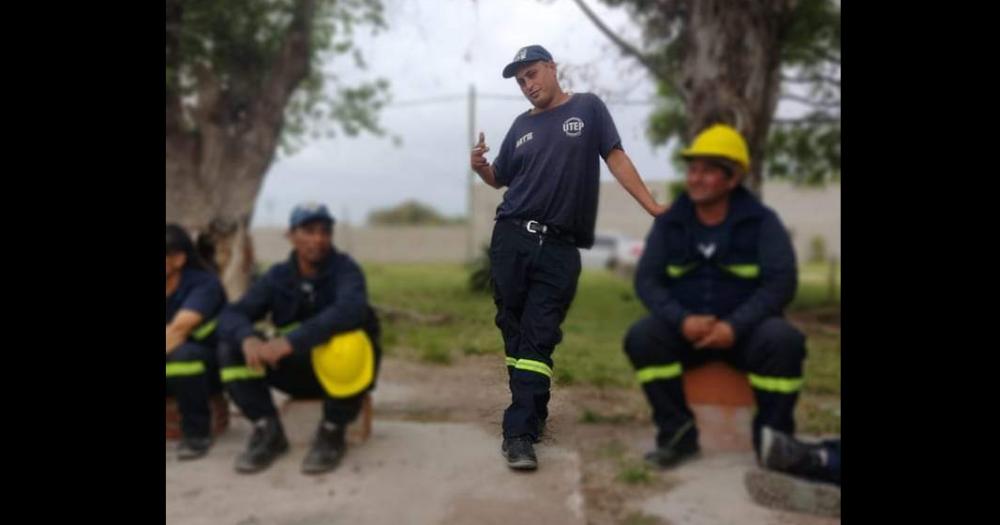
[523, 464]
[766, 440]
[188, 456]
[251, 469]
[320, 469]
[520, 464]
[675, 464]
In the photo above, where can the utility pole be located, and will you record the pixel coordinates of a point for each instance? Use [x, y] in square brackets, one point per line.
[470, 249]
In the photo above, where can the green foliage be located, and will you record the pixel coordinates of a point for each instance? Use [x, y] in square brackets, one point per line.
[817, 249]
[410, 213]
[591, 351]
[634, 473]
[805, 149]
[675, 188]
[236, 45]
[480, 272]
[805, 152]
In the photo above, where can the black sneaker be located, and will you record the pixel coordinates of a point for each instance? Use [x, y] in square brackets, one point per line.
[519, 452]
[327, 449]
[784, 453]
[193, 447]
[267, 442]
[683, 446]
[669, 457]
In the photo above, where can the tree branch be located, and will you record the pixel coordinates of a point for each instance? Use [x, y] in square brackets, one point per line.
[292, 64]
[813, 55]
[809, 101]
[829, 56]
[813, 119]
[628, 49]
[811, 79]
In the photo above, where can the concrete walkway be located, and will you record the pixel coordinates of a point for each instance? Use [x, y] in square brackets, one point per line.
[407, 472]
[711, 491]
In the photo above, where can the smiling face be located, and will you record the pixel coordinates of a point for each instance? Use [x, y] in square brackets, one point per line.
[312, 240]
[538, 83]
[708, 182]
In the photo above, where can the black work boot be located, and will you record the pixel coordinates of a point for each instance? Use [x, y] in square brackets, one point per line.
[267, 442]
[193, 447]
[682, 446]
[519, 452]
[541, 431]
[327, 449]
[784, 453]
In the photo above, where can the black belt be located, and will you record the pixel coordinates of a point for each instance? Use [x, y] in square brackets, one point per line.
[545, 230]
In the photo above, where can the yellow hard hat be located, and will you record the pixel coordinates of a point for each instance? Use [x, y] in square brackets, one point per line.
[723, 141]
[345, 365]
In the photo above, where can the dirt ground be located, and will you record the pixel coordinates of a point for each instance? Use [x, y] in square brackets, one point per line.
[605, 430]
[609, 427]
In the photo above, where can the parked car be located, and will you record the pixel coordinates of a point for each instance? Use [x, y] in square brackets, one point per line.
[612, 250]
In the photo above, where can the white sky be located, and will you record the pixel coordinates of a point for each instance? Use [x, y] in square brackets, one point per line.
[434, 48]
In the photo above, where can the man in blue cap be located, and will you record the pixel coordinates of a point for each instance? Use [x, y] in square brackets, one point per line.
[318, 302]
[549, 162]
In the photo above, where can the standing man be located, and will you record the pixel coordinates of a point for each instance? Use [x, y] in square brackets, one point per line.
[549, 162]
[327, 345]
[716, 274]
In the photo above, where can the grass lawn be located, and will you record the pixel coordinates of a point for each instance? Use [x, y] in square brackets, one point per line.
[591, 350]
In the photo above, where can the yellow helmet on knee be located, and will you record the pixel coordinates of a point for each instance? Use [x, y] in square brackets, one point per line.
[345, 365]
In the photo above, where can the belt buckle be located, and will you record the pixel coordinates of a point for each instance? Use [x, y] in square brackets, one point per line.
[528, 224]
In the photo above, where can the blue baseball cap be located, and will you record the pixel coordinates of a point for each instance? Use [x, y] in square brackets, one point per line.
[527, 54]
[309, 211]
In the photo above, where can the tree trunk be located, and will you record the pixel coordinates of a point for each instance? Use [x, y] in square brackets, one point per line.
[731, 70]
[212, 181]
[219, 149]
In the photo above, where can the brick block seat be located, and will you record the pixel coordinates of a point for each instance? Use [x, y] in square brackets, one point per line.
[357, 432]
[722, 401]
[220, 416]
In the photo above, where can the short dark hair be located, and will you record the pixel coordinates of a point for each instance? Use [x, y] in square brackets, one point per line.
[178, 241]
[723, 164]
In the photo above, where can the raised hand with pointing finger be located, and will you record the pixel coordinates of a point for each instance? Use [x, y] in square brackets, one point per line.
[479, 163]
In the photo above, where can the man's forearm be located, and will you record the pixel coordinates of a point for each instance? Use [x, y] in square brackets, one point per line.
[181, 326]
[174, 338]
[486, 173]
[767, 301]
[624, 171]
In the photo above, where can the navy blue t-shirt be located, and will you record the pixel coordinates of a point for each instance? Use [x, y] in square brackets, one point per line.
[200, 291]
[550, 163]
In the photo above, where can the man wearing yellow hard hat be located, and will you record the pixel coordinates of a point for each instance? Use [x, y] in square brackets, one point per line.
[327, 344]
[717, 271]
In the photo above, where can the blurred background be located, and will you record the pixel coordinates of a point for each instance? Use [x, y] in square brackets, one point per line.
[371, 107]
